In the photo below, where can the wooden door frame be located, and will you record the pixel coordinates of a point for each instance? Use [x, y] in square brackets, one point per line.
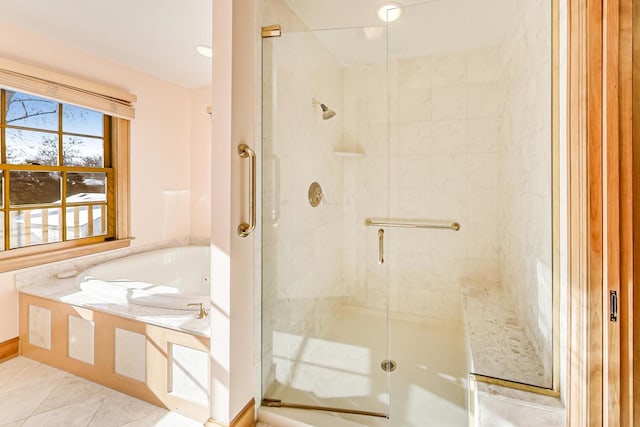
[600, 374]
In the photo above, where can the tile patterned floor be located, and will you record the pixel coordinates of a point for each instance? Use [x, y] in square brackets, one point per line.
[37, 395]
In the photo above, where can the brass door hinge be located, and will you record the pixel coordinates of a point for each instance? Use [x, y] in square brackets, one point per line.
[271, 31]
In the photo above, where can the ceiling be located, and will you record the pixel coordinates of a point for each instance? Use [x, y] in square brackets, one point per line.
[154, 36]
[425, 27]
[158, 36]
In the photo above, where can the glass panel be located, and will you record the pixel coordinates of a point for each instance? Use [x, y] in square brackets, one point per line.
[82, 121]
[82, 151]
[86, 221]
[26, 147]
[31, 111]
[34, 188]
[35, 226]
[324, 296]
[86, 187]
[471, 143]
[1, 189]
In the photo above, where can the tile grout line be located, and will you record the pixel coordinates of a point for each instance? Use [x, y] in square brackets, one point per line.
[43, 401]
[93, 416]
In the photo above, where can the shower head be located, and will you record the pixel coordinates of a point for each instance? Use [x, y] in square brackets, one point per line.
[326, 112]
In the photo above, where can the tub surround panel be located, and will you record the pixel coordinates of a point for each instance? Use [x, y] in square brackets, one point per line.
[189, 373]
[130, 354]
[82, 337]
[120, 347]
[40, 327]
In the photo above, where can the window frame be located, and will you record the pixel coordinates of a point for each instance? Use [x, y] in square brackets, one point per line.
[118, 216]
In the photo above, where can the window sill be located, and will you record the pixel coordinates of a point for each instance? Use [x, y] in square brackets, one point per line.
[19, 258]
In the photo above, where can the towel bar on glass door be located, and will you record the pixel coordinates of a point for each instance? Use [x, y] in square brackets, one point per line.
[406, 223]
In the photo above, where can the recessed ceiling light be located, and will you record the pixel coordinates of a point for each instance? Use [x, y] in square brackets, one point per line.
[204, 51]
[389, 11]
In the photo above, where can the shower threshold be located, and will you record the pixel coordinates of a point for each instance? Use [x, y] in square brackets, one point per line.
[276, 403]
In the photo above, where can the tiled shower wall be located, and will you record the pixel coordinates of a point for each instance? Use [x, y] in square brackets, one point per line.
[302, 263]
[525, 173]
[438, 161]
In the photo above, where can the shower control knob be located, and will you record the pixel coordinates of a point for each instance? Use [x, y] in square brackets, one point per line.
[315, 194]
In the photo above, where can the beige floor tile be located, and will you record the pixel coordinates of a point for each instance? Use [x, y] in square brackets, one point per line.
[31, 375]
[13, 423]
[76, 415]
[164, 419]
[119, 409]
[37, 395]
[72, 390]
[20, 403]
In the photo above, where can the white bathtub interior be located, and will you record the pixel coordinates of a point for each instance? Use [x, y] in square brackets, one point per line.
[164, 278]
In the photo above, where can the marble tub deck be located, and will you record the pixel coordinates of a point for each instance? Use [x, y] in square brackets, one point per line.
[47, 281]
[66, 291]
[37, 395]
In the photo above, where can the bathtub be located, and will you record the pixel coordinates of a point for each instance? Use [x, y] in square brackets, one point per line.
[163, 278]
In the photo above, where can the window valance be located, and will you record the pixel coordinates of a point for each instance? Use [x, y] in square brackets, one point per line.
[64, 88]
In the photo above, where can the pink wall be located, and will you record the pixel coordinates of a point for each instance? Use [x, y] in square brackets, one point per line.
[200, 163]
[160, 145]
[232, 315]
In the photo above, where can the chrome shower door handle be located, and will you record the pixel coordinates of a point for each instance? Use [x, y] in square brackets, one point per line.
[381, 246]
[245, 229]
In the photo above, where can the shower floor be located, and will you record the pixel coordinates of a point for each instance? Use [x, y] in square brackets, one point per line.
[342, 369]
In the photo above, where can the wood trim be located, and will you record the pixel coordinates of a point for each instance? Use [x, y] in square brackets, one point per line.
[584, 281]
[122, 166]
[9, 349]
[245, 418]
[611, 217]
[601, 214]
[625, 84]
[595, 231]
[633, 305]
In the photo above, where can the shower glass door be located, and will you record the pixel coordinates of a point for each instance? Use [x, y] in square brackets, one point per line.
[324, 170]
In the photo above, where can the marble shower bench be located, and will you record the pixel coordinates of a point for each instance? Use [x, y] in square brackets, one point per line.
[498, 347]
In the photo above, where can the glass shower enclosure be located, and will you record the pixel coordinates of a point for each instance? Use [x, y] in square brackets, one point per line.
[407, 211]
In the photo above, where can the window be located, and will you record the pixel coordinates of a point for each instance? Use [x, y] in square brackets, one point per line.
[56, 172]
[64, 166]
